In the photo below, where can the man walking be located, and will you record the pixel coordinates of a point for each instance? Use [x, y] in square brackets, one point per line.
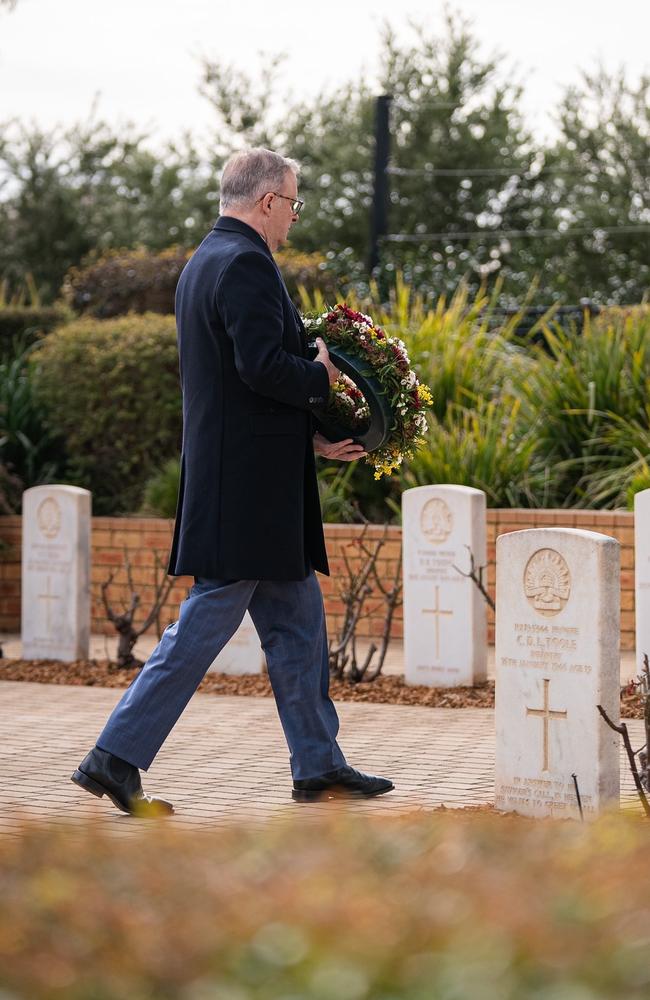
[248, 524]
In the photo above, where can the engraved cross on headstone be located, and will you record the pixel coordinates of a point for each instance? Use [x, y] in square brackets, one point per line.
[437, 611]
[48, 597]
[546, 714]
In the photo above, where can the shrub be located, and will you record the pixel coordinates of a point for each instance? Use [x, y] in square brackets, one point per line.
[485, 447]
[619, 316]
[306, 271]
[343, 907]
[161, 490]
[587, 396]
[30, 454]
[123, 281]
[111, 389]
[23, 325]
[340, 494]
[11, 489]
[473, 370]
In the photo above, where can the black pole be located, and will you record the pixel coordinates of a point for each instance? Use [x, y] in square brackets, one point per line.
[379, 212]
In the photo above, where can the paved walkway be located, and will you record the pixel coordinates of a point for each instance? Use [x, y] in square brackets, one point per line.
[227, 756]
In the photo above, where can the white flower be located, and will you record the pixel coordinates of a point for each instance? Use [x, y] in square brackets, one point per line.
[362, 337]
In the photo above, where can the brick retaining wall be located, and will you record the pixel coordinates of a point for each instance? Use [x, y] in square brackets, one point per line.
[148, 539]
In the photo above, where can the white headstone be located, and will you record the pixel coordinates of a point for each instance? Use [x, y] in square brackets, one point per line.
[557, 658]
[642, 575]
[242, 654]
[56, 573]
[445, 630]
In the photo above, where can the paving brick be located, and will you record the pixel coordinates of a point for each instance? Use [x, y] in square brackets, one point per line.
[227, 758]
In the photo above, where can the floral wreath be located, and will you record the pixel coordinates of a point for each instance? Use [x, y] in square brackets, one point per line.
[389, 362]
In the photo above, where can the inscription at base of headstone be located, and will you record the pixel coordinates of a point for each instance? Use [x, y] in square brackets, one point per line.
[642, 575]
[56, 573]
[557, 658]
[445, 625]
[242, 654]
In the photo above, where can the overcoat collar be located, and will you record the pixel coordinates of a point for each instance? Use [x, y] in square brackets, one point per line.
[232, 225]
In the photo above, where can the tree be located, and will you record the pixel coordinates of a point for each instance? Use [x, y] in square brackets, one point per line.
[598, 180]
[68, 193]
[459, 146]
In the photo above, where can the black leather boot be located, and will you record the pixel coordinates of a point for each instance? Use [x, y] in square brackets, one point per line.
[101, 773]
[345, 782]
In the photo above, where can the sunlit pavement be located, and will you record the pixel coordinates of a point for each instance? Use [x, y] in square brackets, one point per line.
[227, 757]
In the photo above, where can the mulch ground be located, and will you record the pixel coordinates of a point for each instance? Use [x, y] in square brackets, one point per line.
[390, 689]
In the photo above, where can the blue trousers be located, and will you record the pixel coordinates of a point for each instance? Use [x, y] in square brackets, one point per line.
[290, 620]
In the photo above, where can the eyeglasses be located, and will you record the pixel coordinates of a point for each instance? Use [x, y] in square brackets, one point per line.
[296, 203]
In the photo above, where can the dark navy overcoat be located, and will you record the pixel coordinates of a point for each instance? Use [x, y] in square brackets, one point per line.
[248, 506]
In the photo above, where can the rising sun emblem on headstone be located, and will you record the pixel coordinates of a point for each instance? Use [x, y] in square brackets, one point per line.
[436, 521]
[48, 517]
[547, 582]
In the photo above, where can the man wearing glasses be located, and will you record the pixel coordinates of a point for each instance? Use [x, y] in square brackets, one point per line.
[248, 522]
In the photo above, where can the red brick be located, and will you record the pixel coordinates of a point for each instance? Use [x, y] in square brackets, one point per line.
[10, 571]
[627, 621]
[627, 558]
[627, 600]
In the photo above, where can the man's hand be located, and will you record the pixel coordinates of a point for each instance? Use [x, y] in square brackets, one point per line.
[324, 357]
[342, 451]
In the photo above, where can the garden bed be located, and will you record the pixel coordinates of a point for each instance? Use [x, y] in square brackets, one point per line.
[390, 689]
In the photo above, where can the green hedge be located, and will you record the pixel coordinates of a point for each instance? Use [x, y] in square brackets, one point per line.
[111, 389]
[306, 272]
[123, 281]
[25, 324]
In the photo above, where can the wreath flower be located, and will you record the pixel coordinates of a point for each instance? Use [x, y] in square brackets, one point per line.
[389, 362]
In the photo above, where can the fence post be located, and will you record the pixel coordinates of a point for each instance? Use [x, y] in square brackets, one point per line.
[379, 211]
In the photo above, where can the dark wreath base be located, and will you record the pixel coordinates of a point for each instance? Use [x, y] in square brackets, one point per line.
[381, 419]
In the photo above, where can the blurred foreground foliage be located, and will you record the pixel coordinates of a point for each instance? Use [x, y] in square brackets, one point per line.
[336, 907]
